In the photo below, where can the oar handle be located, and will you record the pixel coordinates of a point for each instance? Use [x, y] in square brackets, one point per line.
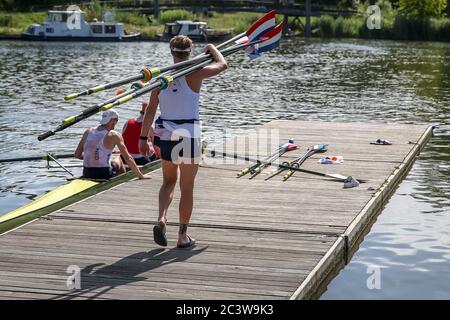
[249, 169]
[291, 171]
[46, 135]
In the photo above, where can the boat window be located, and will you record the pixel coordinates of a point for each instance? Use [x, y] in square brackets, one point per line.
[173, 30]
[97, 29]
[55, 17]
[30, 30]
[64, 17]
[110, 29]
[49, 30]
[192, 27]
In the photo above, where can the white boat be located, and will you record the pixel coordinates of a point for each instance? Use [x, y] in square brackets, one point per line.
[72, 26]
[196, 30]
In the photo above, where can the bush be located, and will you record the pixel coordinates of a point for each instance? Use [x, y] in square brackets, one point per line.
[131, 18]
[237, 22]
[350, 27]
[6, 20]
[173, 15]
[20, 20]
[326, 26]
[440, 28]
[422, 8]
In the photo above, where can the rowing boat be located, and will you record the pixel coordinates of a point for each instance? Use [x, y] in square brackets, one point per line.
[62, 196]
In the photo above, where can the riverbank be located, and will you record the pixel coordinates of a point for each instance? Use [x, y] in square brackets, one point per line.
[149, 27]
[392, 27]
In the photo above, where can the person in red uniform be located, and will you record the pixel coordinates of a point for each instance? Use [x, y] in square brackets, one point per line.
[131, 132]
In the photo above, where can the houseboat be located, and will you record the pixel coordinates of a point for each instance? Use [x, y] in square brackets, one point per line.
[72, 26]
[196, 30]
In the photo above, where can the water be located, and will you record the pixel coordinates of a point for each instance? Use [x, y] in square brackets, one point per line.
[332, 80]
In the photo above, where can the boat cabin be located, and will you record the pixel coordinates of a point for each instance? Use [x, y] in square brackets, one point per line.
[196, 30]
[71, 25]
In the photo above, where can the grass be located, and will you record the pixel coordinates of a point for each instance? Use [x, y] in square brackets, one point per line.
[236, 22]
[15, 23]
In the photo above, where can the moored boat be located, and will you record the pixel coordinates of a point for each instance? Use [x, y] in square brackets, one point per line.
[196, 30]
[62, 196]
[72, 26]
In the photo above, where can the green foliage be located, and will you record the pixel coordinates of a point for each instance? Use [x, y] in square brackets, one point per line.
[326, 26]
[414, 28]
[131, 18]
[238, 22]
[20, 20]
[422, 8]
[173, 15]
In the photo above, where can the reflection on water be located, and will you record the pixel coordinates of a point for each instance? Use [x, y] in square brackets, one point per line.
[344, 80]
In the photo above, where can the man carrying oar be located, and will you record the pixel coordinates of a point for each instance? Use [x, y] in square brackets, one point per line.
[177, 134]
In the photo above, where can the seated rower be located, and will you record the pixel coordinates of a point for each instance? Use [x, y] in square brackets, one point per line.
[96, 147]
[131, 132]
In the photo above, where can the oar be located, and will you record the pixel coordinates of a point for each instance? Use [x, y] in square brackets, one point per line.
[47, 157]
[335, 176]
[161, 82]
[59, 164]
[147, 74]
[299, 161]
[141, 84]
[285, 148]
[257, 163]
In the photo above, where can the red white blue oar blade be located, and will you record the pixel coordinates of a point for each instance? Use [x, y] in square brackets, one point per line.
[262, 26]
[271, 40]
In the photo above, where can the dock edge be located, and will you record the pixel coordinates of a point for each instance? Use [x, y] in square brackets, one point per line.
[341, 251]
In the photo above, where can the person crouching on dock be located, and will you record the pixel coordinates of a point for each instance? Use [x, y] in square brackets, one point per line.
[131, 132]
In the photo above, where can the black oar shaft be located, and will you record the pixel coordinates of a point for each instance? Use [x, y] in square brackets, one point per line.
[297, 163]
[283, 166]
[105, 86]
[46, 157]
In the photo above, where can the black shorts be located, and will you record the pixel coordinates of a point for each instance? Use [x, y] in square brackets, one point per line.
[101, 173]
[142, 160]
[173, 150]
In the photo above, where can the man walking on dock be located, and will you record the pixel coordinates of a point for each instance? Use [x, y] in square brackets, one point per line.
[177, 135]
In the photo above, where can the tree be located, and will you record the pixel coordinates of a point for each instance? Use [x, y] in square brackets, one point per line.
[422, 8]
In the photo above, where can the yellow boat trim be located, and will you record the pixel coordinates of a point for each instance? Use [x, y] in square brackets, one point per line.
[58, 194]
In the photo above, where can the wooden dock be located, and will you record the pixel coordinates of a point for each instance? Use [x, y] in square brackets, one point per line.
[256, 239]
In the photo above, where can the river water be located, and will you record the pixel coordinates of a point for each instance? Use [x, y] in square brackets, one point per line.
[408, 248]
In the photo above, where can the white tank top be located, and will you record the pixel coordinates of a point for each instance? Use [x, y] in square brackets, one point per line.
[178, 102]
[95, 155]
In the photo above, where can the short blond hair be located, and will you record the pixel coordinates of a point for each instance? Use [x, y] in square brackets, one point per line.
[180, 42]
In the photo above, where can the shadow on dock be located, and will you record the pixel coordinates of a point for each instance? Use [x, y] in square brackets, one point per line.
[96, 281]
